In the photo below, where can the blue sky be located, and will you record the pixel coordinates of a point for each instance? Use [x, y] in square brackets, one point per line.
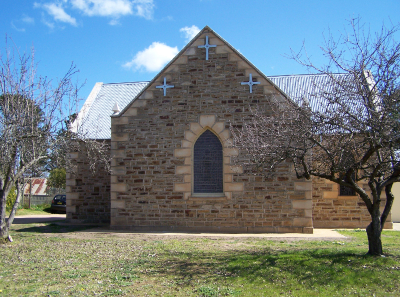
[125, 40]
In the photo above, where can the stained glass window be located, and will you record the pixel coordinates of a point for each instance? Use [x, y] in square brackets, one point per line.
[208, 177]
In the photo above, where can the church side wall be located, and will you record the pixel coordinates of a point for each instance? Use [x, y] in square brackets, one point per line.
[330, 210]
[88, 194]
[152, 144]
[396, 203]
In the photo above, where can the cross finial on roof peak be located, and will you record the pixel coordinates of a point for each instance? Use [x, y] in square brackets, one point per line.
[207, 46]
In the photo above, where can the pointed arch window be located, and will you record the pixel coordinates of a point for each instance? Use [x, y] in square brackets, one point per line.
[208, 164]
[348, 159]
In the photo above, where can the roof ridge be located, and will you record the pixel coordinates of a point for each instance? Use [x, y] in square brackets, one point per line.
[128, 82]
[310, 74]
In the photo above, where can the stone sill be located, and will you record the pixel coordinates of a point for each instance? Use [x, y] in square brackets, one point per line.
[347, 197]
[208, 196]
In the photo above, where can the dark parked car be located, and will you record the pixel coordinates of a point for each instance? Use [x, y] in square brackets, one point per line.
[59, 203]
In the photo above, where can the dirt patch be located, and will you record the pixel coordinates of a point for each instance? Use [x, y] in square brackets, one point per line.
[100, 233]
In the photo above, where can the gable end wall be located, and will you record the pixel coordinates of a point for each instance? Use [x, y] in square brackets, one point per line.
[152, 144]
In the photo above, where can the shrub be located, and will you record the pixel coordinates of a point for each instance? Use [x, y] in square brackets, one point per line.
[11, 199]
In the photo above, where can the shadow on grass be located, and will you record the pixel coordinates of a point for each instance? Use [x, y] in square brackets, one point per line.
[50, 228]
[48, 210]
[308, 268]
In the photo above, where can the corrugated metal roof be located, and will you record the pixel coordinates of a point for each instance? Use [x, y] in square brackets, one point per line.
[39, 187]
[310, 87]
[96, 122]
[335, 99]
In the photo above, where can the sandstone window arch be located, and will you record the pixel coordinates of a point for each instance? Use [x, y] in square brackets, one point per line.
[207, 164]
[186, 152]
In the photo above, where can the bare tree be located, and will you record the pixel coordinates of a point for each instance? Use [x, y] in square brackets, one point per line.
[344, 128]
[33, 111]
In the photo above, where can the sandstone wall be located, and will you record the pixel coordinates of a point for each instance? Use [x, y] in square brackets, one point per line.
[88, 194]
[330, 210]
[396, 203]
[152, 178]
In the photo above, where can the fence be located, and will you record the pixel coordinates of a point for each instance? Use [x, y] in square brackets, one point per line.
[37, 200]
[42, 199]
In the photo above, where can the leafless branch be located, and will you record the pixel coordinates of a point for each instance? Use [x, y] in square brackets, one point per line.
[350, 133]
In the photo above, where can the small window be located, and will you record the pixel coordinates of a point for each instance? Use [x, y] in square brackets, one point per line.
[347, 191]
[347, 161]
[207, 164]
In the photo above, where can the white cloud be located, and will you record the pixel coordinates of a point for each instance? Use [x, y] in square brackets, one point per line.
[144, 8]
[190, 32]
[27, 19]
[115, 8]
[16, 28]
[47, 23]
[57, 12]
[20, 23]
[114, 22]
[109, 8]
[153, 58]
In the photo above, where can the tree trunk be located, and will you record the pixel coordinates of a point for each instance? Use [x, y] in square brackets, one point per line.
[4, 234]
[374, 231]
[3, 228]
[6, 225]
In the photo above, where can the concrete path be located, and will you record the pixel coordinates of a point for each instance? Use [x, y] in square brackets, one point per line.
[318, 233]
[323, 234]
[30, 219]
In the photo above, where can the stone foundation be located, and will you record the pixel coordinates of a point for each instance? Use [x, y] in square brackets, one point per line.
[228, 230]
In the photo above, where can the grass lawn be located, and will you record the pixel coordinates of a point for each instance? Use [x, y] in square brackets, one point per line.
[43, 209]
[53, 260]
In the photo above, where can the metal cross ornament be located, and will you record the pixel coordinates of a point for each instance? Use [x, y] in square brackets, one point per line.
[207, 46]
[250, 83]
[165, 86]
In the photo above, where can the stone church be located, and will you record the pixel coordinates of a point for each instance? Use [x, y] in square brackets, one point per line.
[172, 162]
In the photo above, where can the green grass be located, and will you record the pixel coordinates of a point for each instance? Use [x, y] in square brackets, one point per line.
[42, 209]
[55, 260]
